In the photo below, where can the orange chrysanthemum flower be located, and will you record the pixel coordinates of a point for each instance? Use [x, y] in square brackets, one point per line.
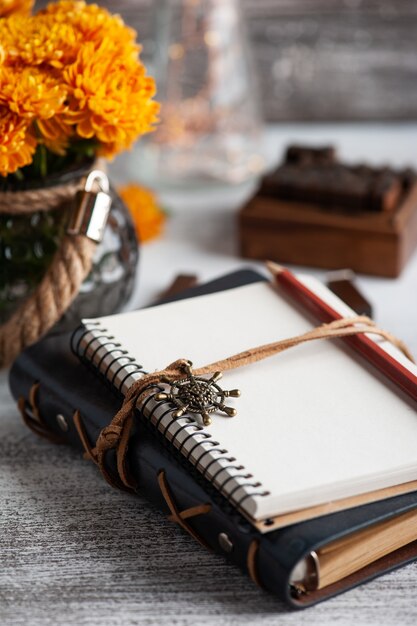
[38, 40]
[110, 97]
[93, 24]
[55, 134]
[15, 7]
[146, 213]
[71, 73]
[17, 144]
[37, 95]
[31, 92]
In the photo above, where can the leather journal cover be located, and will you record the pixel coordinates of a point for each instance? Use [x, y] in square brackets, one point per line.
[51, 386]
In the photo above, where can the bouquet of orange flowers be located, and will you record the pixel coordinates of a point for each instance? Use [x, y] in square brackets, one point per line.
[71, 85]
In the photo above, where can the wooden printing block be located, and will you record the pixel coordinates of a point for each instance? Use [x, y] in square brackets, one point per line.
[370, 227]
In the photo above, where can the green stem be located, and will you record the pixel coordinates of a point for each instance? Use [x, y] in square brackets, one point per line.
[19, 175]
[43, 161]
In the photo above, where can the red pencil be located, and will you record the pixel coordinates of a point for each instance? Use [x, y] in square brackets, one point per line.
[362, 344]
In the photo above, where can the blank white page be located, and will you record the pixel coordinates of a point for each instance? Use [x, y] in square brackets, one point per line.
[313, 424]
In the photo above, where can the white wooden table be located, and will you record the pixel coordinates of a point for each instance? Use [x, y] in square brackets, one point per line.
[75, 552]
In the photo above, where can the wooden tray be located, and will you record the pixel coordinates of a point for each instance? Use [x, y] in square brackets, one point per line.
[305, 234]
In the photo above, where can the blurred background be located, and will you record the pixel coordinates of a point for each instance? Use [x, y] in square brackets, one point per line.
[322, 60]
[296, 115]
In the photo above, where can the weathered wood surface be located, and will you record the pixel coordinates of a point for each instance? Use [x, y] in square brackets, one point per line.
[325, 59]
[75, 552]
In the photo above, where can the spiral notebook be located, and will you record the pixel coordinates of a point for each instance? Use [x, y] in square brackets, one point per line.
[314, 426]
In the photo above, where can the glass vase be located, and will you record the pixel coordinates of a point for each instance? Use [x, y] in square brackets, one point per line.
[211, 128]
[28, 243]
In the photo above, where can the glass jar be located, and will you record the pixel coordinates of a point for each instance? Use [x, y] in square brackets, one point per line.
[28, 243]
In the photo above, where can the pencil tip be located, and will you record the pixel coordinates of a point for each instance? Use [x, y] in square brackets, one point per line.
[274, 268]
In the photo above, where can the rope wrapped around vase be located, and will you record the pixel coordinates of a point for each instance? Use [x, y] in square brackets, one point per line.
[70, 265]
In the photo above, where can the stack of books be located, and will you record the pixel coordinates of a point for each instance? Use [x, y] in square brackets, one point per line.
[311, 488]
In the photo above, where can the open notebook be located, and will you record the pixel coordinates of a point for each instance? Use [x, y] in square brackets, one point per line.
[314, 424]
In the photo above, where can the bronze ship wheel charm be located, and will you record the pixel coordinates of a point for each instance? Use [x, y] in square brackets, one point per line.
[198, 395]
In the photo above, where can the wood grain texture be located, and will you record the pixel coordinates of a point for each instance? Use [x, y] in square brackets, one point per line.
[75, 552]
[324, 59]
[373, 243]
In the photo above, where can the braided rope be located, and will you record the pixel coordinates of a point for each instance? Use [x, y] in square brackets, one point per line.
[42, 199]
[61, 283]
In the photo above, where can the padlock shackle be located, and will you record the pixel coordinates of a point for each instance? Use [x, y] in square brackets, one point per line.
[99, 177]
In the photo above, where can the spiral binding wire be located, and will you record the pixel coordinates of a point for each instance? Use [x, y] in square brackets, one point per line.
[190, 436]
[190, 452]
[86, 343]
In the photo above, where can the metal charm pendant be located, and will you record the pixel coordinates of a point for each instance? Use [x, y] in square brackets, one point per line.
[198, 395]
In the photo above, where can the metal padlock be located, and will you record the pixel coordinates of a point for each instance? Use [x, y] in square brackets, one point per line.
[90, 217]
